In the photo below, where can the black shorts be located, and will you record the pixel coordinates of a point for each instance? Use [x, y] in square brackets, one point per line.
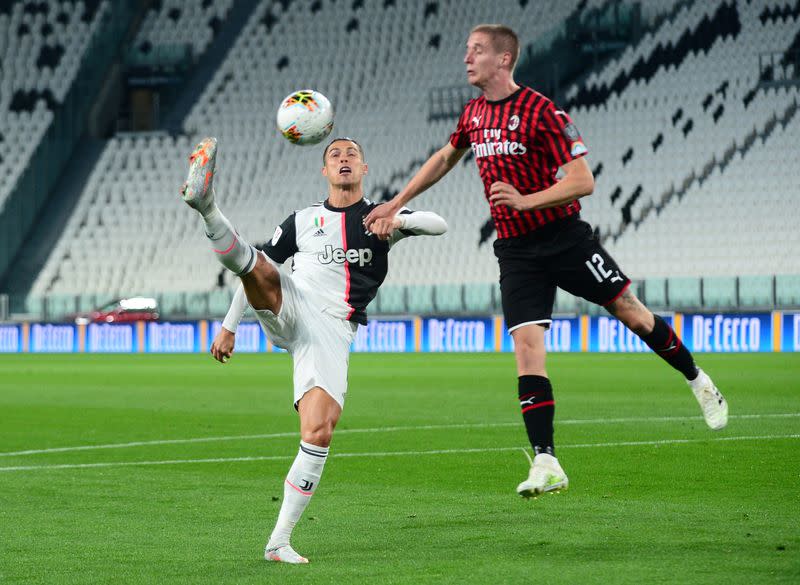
[565, 254]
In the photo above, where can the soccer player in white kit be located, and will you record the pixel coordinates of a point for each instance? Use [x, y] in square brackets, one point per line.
[314, 311]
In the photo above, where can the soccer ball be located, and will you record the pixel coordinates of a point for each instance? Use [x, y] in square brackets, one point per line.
[305, 117]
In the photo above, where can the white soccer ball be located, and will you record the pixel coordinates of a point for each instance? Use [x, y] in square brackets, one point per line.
[305, 117]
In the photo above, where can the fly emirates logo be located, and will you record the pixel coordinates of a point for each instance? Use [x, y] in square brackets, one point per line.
[493, 144]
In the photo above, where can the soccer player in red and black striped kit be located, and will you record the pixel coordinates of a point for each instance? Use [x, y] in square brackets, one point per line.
[520, 140]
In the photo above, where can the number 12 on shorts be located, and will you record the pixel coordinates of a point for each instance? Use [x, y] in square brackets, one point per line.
[595, 266]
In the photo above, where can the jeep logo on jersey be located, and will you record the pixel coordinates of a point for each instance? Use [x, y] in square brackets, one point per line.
[360, 256]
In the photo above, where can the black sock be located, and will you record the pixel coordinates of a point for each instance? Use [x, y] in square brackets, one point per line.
[538, 409]
[663, 340]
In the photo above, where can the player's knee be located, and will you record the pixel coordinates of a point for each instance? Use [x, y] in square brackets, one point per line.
[320, 434]
[530, 353]
[529, 345]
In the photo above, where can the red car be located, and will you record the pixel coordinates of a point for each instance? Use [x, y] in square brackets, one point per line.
[122, 311]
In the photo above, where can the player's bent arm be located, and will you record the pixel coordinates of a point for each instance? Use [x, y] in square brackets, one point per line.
[422, 223]
[412, 223]
[577, 182]
[236, 310]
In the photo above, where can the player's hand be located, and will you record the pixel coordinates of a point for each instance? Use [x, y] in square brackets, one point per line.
[382, 211]
[385, 226]
[222, 347]
[505, 194]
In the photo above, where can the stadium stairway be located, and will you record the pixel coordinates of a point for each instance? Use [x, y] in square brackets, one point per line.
[213, 57]
[38, 245]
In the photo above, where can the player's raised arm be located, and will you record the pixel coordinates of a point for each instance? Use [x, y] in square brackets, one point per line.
[436, 167]
[409, 223]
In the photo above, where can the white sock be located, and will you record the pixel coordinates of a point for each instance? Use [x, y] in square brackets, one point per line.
[300, 484]
[233, 252]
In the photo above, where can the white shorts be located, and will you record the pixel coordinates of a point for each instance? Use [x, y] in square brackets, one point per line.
[319, 343]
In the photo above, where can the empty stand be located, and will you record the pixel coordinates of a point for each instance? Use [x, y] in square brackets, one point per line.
[686, 139]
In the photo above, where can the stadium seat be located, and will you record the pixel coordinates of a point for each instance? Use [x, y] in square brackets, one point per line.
[172, 305]
[86, 302]
[392, 299]
[61, 306]
[684, 293]
[756, 292]
[35, 305]
[448, 298]
[787, 291]
[420, 299]
[181, 22]
[478, 297]
[565, 302]
[719, 292]
[197, 305]
[219, 301]
[655, 293]
[592, 309]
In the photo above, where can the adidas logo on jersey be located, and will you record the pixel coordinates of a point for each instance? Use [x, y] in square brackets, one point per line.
[319, 232]
[360, 256]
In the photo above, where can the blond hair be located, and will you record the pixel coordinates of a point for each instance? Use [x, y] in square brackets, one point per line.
[504, 40]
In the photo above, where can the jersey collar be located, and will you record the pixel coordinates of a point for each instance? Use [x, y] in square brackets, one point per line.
[330, 207]
[507, 98]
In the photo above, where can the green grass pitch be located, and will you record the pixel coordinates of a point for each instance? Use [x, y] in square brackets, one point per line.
[420, 484]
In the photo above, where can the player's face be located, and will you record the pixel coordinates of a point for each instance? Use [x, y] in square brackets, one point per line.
[343, 164]
[481, 59]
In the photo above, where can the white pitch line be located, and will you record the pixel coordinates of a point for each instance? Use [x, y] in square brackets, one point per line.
[594, 421]
[395, 453]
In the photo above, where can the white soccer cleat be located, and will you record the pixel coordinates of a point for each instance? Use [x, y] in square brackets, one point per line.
[284, 554]
[198, 191]
[545, 475]
[711, 400]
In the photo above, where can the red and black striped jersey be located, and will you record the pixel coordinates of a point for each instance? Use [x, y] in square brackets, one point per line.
[521, 140]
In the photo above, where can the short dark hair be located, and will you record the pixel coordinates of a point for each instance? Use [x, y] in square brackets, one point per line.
[348, 139]
[503, 39]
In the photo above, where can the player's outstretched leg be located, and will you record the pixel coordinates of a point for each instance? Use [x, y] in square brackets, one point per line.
[231, 250]
[663, 340]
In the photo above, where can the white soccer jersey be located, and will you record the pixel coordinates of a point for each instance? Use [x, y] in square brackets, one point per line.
[336, 257]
